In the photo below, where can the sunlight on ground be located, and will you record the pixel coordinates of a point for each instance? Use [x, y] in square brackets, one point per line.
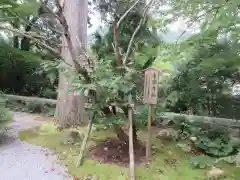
[169, 162]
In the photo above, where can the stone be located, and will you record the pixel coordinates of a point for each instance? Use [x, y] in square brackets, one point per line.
[167, 134]
[71, 137]
[193, 139]
[215, 174]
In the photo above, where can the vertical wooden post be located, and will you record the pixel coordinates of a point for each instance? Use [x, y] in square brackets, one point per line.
[131, 148]
[149, 143]
[150, 98]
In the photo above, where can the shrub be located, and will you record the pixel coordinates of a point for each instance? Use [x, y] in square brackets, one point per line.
[37, 107]
[215, 142]
[212, 140]
[31, 107]
[22, 73]
[5, 116]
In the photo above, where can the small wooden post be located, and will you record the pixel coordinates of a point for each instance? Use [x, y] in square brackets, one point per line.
[84, 143]
[149, 144]
[150, 98]
[131, 148]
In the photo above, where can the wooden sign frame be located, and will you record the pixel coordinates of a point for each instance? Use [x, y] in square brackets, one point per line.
[151, 86]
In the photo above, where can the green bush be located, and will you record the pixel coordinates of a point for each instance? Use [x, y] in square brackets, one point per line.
[5, 116]
[215, 142]
[22, 73]
[31, 107]
[212, 140]
[201, 162]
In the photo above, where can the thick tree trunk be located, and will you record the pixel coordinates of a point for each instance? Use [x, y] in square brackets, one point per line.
[70, 109]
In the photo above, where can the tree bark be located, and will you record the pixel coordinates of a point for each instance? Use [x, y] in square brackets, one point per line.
[70, 111]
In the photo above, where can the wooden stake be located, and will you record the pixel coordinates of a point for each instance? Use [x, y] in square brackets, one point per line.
[149, 144]
[84, 143]
[131, 148]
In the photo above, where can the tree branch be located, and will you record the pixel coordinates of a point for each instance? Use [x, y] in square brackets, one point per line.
[127, 12]
[136, 31]
[116, 27]
[197, 18]
[30, 36]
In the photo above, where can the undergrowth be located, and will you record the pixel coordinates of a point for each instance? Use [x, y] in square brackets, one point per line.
[169, 162]
[31, 107]
[5, 117]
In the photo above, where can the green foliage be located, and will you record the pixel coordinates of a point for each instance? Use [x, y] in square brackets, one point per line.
[48, 128]
[216, 147]
[204, 82]
[5, 116]
[210, 15]
[35, 107]
[20, 74]
[31, 107]
[234, 159]
[212, 140]
[113, 84]
[185, 147]
[201, 162]
[15, 9]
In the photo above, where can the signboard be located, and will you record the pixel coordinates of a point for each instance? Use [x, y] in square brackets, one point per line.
[151, 86]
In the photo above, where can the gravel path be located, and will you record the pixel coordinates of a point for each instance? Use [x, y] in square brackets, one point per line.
[24, 161]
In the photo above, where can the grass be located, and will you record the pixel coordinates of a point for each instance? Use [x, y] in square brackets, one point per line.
[158, 169]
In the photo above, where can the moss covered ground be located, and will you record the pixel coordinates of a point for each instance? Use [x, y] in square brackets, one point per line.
[169, 162]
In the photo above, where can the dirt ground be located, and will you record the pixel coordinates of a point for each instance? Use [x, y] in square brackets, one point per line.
[117, 152]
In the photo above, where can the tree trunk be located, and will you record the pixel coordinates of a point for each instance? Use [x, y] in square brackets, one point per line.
[16, 37]
[70, 109]
[117, 128]
[25, 42]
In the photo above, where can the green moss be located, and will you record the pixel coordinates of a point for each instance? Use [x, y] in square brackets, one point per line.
[48, 128]
[158, 169]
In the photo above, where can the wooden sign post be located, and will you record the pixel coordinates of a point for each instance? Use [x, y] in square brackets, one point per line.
[131, 148]
[150, 98]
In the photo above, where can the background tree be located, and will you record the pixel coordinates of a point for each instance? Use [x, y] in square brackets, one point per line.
[36, 37]
[206, 80]
[29, 79]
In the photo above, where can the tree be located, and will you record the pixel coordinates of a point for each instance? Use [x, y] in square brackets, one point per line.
[70, 109]
[113, 46]
[26, 78]
[204, 82]
[71, 58]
